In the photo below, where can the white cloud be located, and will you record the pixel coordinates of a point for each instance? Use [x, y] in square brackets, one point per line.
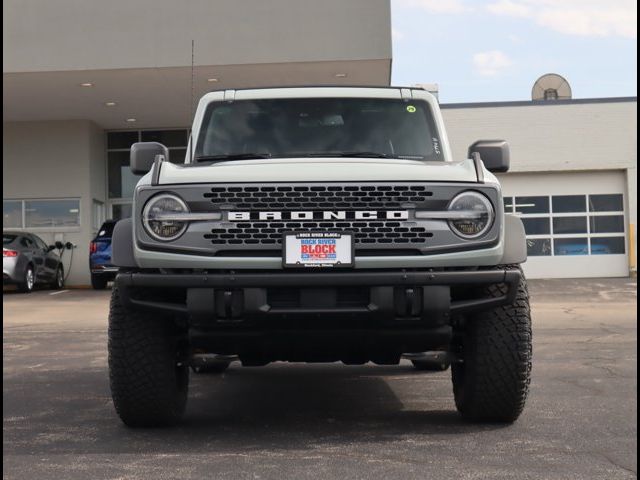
[437, 6]
[507, 7]
[491, 63]
[596, 18]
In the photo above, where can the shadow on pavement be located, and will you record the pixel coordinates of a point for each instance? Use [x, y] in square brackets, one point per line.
[245, 409]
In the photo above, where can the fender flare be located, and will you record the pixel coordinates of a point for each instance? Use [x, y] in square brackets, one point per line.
[515, 241]
[122, 244]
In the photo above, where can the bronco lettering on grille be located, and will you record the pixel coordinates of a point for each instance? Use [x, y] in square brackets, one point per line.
[322, 215]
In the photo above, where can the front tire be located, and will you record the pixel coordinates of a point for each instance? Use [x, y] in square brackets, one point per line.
[28, 281]
[58, 281]
[492, 381]
[149, 379]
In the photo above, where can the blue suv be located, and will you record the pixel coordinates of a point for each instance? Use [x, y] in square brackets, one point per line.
[102, 270]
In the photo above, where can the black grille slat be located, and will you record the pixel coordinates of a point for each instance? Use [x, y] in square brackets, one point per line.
[364, 232]
[331, 197]
[318, 197]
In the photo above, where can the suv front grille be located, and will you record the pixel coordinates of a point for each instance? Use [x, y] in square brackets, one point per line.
[366, 233]
[318, 197]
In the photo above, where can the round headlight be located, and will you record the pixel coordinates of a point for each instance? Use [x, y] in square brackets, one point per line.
[161, 217]
[472, 214]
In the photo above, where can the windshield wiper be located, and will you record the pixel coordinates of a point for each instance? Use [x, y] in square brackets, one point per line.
[359, 154]
[328, 154]
[355, 154]
[232, 156]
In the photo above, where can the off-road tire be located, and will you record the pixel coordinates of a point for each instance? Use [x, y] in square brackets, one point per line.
[98, 282]
[26, 286]
[492, 381]
[149, 383]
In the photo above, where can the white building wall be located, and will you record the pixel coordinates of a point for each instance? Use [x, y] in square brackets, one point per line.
[556, 137]
[57, 160]
[552, 137]
[44, 35]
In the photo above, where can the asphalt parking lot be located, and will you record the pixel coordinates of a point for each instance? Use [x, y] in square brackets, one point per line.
[325, 421]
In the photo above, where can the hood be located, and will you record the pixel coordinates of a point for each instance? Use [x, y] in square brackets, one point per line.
[319, 170]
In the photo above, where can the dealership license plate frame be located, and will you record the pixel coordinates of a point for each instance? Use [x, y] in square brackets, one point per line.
[287, 237]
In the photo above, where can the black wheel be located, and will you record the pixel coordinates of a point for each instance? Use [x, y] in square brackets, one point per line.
[98, 282]
[28, 280]
[212, 367]
[430, 365]
[149, 378]
[492, 381]
[58, 281]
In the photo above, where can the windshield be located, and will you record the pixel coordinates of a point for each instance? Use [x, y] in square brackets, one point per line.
[106, 230]
[8, 238]
[298, 127]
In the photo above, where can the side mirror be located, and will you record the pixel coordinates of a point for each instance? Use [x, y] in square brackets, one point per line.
[143, 154]
[493, 153]
[50, 248]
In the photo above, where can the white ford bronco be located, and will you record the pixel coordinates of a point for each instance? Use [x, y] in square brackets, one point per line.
[319, 224]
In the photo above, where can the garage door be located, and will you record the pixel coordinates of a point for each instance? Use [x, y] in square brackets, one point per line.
[575, 222]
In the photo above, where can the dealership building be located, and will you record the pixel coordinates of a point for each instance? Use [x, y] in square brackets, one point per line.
[83, 81]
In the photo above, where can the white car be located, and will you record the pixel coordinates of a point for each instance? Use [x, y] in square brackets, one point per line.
[28, 261]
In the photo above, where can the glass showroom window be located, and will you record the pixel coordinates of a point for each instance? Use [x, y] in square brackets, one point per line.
[97, 215]
[606, 224]
[41, 214]
[11, 214]
[534, 212]
[121, 182]
[562, 225]
[121, 210]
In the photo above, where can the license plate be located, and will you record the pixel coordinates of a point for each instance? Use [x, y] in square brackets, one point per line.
[317, 249]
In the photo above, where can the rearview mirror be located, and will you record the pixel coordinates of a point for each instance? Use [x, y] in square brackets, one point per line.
[143, 154]
[493, 153]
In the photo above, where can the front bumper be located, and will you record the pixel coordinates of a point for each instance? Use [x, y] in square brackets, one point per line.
[107, 271]
[204, 290]
[353, 316]
[470, 258]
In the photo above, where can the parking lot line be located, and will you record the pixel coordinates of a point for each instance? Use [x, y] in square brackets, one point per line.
[56, 293]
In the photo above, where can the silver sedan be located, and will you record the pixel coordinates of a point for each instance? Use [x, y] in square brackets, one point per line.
[28, 261]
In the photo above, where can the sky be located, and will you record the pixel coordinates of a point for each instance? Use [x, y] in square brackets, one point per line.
[494, 50]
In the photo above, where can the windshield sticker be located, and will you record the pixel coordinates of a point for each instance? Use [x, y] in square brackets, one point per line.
[436, 145]
[411, 109]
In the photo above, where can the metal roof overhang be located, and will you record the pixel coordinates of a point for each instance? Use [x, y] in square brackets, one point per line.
[161, 97]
